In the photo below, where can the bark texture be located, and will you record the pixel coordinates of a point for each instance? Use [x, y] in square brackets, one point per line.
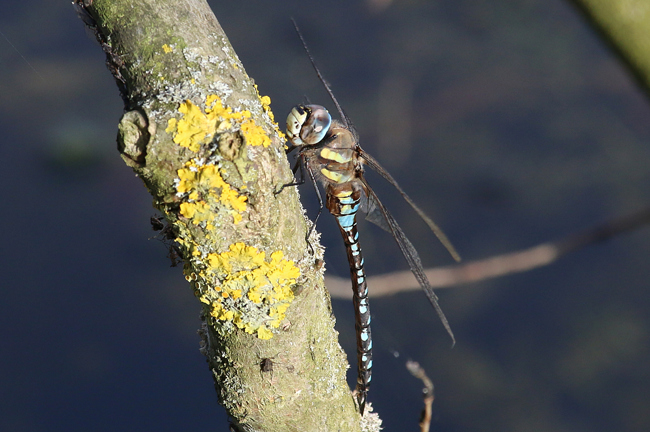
[204, 142]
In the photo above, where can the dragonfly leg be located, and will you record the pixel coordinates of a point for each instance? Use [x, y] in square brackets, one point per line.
[320, 208]
[296, 167]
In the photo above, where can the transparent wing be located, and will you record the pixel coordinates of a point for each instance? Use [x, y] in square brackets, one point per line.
[409, 252]
[373, 212]
[372, 163]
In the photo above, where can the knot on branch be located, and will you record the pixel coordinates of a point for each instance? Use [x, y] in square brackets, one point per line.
[134, 133]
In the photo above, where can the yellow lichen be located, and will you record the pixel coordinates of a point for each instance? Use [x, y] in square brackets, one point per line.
[254, 134]
[250, 291]
[167, 48]
[264, 333]
[266, 106]
[193, 129]
[197, 127]
[197, 211]
[206, 188]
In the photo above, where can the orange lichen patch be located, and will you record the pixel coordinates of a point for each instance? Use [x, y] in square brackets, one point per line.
[206, 189]
[252, 293]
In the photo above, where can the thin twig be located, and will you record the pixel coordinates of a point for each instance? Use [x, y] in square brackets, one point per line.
[427, 392]
[499, 265]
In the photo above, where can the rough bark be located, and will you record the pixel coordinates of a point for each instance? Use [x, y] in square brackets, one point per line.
[205, 145]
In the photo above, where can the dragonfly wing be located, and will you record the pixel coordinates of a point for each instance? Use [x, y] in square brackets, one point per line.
[372, 163]
[373, 212]
[409, 252]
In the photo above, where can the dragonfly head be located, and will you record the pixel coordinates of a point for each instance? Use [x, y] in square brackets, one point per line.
[308, 124]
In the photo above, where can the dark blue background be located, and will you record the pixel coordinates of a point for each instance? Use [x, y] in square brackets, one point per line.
[509, 122]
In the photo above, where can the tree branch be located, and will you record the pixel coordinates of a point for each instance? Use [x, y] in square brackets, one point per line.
[625, 25]
[204, 143]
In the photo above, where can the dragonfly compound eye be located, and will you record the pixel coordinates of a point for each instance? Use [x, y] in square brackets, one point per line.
[316, 125]
[308, 124]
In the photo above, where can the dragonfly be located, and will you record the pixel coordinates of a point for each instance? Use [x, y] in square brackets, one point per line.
[330, 153]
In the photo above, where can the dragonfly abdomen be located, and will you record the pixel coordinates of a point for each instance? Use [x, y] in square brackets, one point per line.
[344, 202]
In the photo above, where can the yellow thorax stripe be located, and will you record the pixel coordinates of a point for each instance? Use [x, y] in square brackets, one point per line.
[335, 176]
[334, 156]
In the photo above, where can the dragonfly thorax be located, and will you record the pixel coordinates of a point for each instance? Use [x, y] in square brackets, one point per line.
[308, 124]
[341, 139]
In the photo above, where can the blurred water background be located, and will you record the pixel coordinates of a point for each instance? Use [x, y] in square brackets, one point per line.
[510, 122]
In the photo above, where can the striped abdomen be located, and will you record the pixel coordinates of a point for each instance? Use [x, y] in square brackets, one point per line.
[343, 202]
